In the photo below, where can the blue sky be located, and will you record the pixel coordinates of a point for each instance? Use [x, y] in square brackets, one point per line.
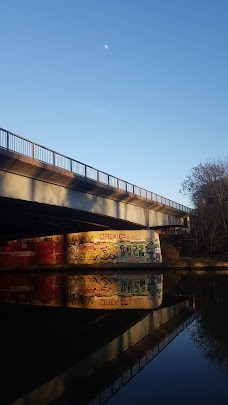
[147, 109]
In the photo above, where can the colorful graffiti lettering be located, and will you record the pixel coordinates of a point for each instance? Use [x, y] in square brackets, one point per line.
[89, 248]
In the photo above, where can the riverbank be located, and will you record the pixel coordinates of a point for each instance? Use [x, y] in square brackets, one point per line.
[181, 264]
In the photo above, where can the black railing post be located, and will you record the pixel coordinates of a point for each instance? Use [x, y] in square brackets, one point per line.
[33, 150]
[7, 140]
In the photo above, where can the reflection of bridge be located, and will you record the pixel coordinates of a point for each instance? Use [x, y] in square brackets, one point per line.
[83, 352]
[120, 371]
[44, 192]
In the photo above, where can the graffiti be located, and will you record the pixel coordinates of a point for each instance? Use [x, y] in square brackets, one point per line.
[91, 252]
[132, 249]
[24, 253]
[52, 238]
[99, 252]
[81, 238]
[111, 236]
[84, 248]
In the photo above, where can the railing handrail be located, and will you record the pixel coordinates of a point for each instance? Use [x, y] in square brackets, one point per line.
[9, 142]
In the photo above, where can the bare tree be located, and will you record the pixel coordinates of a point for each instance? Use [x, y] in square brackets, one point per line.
[207, 188]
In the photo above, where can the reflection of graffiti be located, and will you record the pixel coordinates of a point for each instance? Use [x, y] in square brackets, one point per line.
[103, 286]
[134, 287]
[84, 291]
[36, 290]
[92, 286]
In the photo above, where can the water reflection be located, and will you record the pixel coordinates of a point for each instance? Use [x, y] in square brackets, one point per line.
[80, 356]
[210, 333]
[90, 291]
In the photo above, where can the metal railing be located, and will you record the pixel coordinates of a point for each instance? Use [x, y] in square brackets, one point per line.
[23, 146]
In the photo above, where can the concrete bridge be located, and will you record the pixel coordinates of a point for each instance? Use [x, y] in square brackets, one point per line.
[44, 192]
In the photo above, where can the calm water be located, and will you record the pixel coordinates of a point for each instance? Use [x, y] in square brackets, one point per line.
[114, 338]
[181, 374]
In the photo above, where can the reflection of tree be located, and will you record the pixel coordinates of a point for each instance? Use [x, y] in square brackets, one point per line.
[172, 283]
[210, 333]
[212, 339]
[211, 330]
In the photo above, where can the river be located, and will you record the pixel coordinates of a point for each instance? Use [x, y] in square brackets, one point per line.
[114, 337]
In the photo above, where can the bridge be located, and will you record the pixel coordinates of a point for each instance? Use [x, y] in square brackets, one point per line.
[44, 192]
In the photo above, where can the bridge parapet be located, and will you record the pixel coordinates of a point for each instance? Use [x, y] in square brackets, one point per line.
[14, 143]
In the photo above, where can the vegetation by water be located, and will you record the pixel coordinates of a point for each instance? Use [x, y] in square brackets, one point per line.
[207, 188]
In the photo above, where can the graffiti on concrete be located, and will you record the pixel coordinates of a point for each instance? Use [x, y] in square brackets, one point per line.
[141, 246]
[111, 246]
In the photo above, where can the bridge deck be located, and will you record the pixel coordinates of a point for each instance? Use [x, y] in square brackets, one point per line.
[16, 163]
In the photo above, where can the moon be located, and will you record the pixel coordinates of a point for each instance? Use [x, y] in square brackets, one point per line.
[106, 46]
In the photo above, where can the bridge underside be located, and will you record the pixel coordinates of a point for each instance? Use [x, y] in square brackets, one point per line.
[20, 218]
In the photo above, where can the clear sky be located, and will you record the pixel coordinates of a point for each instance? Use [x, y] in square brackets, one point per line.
[147, 108]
